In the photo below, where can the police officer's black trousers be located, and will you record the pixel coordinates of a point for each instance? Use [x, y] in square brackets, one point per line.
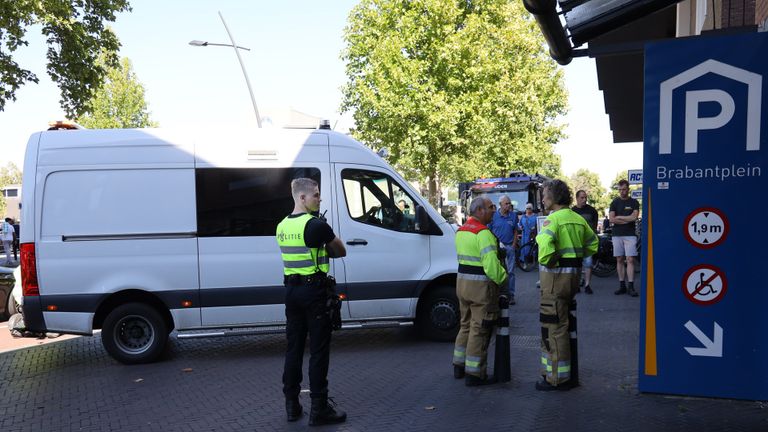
[305, 311]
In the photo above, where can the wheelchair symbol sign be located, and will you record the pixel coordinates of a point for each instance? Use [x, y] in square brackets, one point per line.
[704, 284]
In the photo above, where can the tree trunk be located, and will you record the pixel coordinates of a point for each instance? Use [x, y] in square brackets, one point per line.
[434, 191]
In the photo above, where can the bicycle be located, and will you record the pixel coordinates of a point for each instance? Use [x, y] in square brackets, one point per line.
[603, 262]
[527, 256]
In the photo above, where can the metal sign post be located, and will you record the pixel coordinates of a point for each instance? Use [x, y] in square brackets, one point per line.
[703, 330]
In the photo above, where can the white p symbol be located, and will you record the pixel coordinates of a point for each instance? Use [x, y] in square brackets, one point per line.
[694, 123]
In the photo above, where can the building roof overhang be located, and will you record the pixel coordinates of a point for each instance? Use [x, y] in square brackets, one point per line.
[615, 31]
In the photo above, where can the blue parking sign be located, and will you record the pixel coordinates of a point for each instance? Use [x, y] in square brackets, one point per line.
[703, 330]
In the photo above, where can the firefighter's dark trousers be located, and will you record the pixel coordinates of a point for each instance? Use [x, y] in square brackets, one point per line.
[479, 302]
[558, 286]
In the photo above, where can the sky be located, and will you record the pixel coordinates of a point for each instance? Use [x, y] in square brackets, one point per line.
[294, 61]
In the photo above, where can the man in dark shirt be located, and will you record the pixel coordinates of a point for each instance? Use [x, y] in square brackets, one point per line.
[306, 244]
[590, 215]
[623, 214]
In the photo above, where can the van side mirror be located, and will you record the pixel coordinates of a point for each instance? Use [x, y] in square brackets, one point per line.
[422, 220]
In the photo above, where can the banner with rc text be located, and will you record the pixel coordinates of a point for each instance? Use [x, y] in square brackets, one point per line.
[704, 330]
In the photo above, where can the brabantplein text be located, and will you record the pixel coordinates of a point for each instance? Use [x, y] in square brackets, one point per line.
[722, 173]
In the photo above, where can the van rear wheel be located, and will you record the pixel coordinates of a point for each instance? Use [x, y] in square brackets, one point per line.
[438, 315]
[134, 333]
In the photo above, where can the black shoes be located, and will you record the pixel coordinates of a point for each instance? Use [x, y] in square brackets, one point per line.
[588, 290]
[543, 385]
[622, 290]
[631, 291]
[473, 381]
[293, 409]
[458, 372]
[323, 412]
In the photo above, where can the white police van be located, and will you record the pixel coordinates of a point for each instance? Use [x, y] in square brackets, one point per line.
[141, 232]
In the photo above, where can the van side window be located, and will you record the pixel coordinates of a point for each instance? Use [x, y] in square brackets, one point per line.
[374, 198]
[239, 202]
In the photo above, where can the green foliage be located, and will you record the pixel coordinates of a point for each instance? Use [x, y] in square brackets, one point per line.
[119, 102]
[9, 174]
[584, 179]
[75, 34]
[455, 90]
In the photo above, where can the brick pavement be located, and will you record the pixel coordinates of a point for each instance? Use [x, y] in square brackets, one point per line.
[386, 379]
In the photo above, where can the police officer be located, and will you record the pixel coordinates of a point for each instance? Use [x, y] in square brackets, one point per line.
[477, 286]
[564, 241]
[306, 243]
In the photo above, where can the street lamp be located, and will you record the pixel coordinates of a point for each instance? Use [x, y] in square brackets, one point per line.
[236, 48]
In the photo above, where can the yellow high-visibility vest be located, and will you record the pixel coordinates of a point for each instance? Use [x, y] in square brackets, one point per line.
[298, 258]
[477, 251]
[565, 235]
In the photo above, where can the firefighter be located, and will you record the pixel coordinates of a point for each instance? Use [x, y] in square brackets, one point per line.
[306, 243]
[565, 240]
[477, 286]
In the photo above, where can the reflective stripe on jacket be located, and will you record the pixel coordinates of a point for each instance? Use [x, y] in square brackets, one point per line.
[477, 252]
[298, 258]
[565, 235]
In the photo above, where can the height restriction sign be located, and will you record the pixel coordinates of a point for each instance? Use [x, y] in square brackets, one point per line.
[706, 227]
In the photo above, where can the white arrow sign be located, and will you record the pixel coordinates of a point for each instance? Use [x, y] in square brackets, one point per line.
[712, 348]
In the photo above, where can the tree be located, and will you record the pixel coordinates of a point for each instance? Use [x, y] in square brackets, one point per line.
[589, 181]
[75, 34]
[9, 174]
[119, 102]
[455, 90]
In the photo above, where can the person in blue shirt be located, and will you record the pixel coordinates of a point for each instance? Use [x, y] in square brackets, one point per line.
[503, 226]
[528, 227]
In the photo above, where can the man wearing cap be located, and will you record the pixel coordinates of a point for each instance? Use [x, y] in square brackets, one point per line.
[527, 227]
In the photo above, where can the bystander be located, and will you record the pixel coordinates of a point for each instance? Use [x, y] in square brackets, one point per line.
[590, 215]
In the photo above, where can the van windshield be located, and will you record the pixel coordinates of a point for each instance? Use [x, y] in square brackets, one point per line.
[518, 198]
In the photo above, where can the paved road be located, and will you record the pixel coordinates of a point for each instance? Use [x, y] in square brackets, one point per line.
[387, 380]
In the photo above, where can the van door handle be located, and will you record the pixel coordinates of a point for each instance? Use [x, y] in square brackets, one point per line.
[354, 242]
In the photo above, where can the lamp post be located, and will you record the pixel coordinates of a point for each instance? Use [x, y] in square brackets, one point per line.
[239, 59]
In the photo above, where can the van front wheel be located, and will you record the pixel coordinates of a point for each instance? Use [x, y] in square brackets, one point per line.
[134, 333]
[438, 315]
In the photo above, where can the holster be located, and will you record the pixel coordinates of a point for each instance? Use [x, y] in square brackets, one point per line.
[333, 303]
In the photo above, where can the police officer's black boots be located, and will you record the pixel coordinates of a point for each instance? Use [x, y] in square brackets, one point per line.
[631, 290]
[323, 413]
[293, 409]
